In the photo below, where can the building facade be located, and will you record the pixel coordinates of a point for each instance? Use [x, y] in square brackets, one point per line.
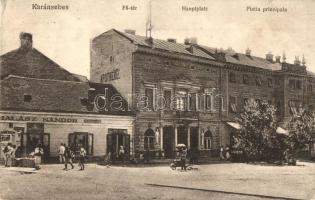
[42, 103]
[189, 93]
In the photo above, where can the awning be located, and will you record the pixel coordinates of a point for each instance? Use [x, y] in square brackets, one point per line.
[282, 131]
[237, 126]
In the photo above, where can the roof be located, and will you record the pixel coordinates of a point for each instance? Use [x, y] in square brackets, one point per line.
[55, 95]
[243, 59]
[203, 51]
[167, 46]
[32, 63]
[81, 77]
[311, 73]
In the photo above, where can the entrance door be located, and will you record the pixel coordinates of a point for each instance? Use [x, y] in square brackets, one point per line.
[115, 139]
[182, 134]
[168, 141]
[31, 140]
[194, 141]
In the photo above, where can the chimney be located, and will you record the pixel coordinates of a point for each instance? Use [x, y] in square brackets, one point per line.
[269, 57]
[171, 40]
[278, 59]
[247, 52]
[130, 31]
[193, 40]
[297, 60]
[187, 41]
[149, 41]
[26, 40]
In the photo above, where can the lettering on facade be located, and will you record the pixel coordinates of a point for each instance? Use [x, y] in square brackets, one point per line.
[60, 119]
[17, 118]
[110, 76]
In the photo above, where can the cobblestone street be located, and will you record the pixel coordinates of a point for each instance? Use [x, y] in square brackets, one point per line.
[214, 181]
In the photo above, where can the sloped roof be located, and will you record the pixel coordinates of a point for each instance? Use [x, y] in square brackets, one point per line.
[32, 63]
[242, 59]
[81, 77]
[167, 46]
[311, 73]
[52, 95]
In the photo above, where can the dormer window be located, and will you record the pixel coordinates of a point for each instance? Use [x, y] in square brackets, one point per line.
[27, 98]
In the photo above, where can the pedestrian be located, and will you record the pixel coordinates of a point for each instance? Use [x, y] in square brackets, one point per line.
[183, 155]
[68, 155]
[13, 161]
[38, 152]
[61, 152]
[7, 155]
[227, 153]
[147, 155]
[108, 159]
[121, 154]
[222, 153]
[82, 154]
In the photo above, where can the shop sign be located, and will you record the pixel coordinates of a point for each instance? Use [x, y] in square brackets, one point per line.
[17, 118]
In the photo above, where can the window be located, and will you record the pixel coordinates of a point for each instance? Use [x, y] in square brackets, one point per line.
[149, 98]
[310, 88]
[232, 77]
[269, 82]
[81, 139]
[278, 107]
[295, 106]
[167, 98]
[111, 59]
[192, 67]
[208, 140]
[208, 101]
[258, 81]
[245, 79]
[298, 84]
[181, 100]
[27, 98]
[292, 84]
[232, 104]
[149, 139]
[192, 101]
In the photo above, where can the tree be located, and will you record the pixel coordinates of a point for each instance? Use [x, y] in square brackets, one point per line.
[257, 135]
[302, 126]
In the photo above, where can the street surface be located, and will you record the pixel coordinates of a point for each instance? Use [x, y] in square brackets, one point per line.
[213, 181]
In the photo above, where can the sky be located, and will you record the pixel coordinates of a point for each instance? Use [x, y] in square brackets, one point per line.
[64, 35]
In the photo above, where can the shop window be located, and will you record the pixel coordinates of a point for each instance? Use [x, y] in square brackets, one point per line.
[269, 82]
[81, 139]
[149, 139]
[232, 77]
[245, 79]
[208, 140]
[258, 81]
[27, 98]
[149, 98]
[232, 104]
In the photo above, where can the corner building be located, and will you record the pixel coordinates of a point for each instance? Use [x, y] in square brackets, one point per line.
[202, 89]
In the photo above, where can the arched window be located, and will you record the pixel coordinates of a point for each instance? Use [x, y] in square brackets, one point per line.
[208, 140]
[149, 139]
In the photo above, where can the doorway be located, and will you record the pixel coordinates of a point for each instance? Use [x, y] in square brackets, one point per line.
[194, 138]
[182, 134]
[115, 139]
[168, 141]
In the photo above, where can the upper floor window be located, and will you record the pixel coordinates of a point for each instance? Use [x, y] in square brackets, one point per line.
[232, 77]
[310, 88]
[245, 79]
[258, 81]
[111, 59]
[233, 104]
[27, 98]
[181, 100]
[149, 98]
[269, 82]
[298, 84]
[193, 101]
[167, 99]
[295, 84]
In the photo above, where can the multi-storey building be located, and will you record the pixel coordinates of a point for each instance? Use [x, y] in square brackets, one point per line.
[42, 103]
[189, 93]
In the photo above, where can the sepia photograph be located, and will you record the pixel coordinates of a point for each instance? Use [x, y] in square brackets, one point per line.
[157, 99]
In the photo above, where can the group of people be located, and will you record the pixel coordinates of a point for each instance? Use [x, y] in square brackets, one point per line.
[67, 156]
[225, 153]
[10, 152]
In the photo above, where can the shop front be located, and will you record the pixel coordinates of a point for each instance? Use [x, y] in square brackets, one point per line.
[98, 134]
